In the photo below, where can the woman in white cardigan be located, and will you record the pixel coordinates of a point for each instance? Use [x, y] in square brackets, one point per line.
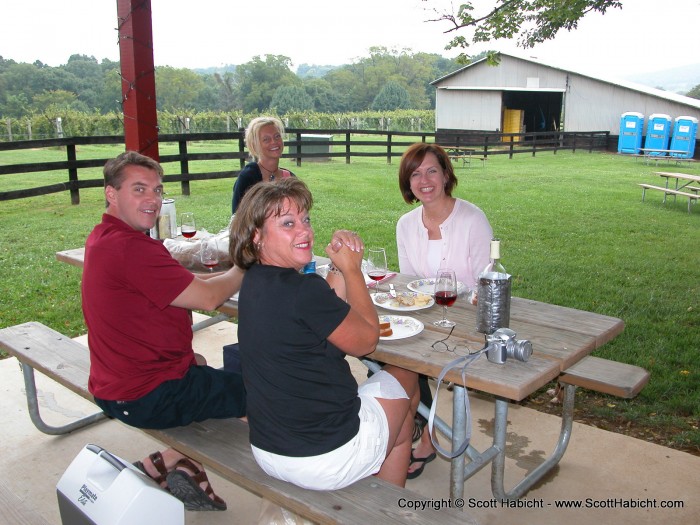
[444, 232]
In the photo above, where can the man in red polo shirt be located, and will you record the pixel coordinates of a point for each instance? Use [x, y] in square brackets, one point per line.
[136, 302]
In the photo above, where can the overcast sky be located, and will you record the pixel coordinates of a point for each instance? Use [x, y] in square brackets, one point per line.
[646, 35]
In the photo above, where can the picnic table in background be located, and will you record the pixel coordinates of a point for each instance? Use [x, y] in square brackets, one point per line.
[657, 154]
[681, 187]
[466, 155]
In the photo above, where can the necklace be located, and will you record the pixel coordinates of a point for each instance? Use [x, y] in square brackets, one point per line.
[440, 218]
[272, 173]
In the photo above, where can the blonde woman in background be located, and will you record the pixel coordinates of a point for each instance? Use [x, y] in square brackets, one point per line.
[263, 136]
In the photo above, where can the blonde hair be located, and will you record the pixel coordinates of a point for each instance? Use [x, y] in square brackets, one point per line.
[252, 132]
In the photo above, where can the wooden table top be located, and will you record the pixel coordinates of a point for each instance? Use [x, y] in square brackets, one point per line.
[673, 175]
[560, 337]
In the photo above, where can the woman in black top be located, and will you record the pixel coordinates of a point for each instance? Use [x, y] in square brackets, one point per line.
[263, 136]
[310, 423]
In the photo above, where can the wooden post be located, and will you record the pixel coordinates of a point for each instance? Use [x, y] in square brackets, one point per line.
[241, 146]
[29, 129]
[72, 175]
[388, 148]
[138, 76]
[8, 121]
[347, 148]
[184, 167]
[298, 149]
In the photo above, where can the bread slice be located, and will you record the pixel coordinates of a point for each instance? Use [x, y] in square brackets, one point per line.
[385, 330]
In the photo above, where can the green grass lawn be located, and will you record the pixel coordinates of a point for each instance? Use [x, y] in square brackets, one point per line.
[573, 232]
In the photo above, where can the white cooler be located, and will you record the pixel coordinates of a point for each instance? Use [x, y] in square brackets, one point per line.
[100, 488]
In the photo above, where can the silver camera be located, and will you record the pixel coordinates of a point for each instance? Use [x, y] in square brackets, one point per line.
[502, 344]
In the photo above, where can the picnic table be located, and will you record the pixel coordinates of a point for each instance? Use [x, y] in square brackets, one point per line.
[657, 154]
[562, 339]
[682, 186]
[466, 155]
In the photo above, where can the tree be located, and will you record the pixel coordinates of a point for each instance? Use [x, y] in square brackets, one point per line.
[392, 96]
[58, 99]
[257, 80]
[695, 92]
[359, 83]
[291, 98]
[227, 90]
[533, 20]
[177, 89]
[325, 98]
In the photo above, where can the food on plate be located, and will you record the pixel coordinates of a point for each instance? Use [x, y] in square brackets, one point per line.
[422, 299]
[406, 299]
[385, 330]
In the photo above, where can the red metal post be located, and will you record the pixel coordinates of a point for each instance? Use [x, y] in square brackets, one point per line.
[138, 76]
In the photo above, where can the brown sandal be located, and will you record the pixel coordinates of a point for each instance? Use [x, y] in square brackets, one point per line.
[157, 460]
[183, 482]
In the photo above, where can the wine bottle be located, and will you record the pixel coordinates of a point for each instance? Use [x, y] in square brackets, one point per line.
[493, 294]
[495, 265]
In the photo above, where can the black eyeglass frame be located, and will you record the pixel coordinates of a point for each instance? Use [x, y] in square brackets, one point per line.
[447, 348]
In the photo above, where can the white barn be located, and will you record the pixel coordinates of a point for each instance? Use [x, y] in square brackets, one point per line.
[549, 98]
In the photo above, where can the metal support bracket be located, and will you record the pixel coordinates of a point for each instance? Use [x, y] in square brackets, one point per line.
[496, 453]
[35, 416]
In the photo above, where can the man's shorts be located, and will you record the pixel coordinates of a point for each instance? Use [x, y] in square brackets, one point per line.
[203, 393]
[359, 458]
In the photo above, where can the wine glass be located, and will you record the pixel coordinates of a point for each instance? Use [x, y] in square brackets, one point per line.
[445, 294]
[376, 265]
[209, 253]
[188, 228]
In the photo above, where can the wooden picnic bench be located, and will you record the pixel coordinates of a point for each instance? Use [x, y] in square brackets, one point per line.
[657, 154]
[466, 156]
[605, 376]
[221, 445]
[692, 197]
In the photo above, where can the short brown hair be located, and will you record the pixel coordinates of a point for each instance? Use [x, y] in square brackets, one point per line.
[264, 200]
[114, 168]
[413, 157]
[252, 140]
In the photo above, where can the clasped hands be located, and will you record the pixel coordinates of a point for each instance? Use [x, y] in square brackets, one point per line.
[346, 259]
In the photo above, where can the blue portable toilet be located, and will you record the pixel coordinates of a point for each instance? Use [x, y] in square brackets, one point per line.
[684, 131]
[658, 134]
[631, 128]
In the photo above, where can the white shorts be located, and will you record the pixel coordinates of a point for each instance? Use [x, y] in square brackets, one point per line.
[359, 458]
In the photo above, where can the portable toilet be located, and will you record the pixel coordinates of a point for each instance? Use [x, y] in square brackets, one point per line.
[658, 134]
[631, 128]
[683, 142]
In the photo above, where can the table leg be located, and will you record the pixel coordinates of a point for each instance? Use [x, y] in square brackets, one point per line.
[35, 415]
[459, 432]
[499, 439]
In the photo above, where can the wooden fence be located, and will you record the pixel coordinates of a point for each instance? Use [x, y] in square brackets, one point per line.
[495, 143]
[301, 144]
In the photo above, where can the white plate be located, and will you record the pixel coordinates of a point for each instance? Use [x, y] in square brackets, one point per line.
[377, 299]
[427, 286]
[402, 327]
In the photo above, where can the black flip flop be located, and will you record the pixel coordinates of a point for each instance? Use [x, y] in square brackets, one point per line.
[425, 461]
[185, 487]
[419, 423]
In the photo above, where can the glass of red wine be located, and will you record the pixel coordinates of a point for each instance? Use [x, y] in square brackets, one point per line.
[445, 294]
[376, 265]
[209, 253]
[188, 228]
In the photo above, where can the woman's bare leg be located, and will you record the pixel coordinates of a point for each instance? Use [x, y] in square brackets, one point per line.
[400, 414]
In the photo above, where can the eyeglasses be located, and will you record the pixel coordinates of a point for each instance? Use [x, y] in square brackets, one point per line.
[443, 346]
